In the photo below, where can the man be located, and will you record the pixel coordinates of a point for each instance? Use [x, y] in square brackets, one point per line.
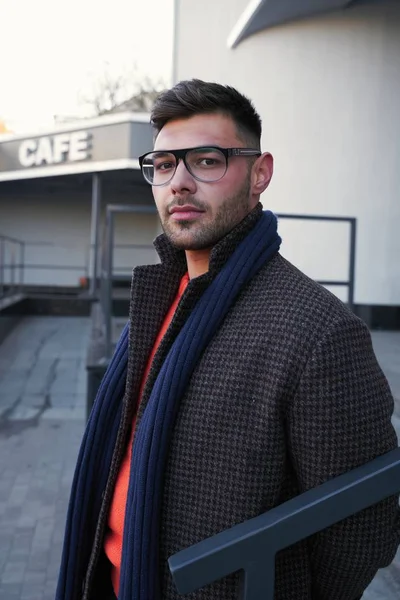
[240, 384]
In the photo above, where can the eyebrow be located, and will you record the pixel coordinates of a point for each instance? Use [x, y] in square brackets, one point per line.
[160, 153]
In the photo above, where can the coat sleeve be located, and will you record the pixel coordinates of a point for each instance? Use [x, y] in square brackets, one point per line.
[340, 418]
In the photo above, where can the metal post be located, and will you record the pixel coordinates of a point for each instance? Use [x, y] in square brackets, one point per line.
[22, 264]
[2, 258]
[352, 265]
[12, 267]
[109, 283]
[106, 296]
[94, 232]
[258, 580]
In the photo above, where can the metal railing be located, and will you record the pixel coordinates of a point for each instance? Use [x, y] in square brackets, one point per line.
[352, 221]
[81, 269]
[108, 271]
[251, 546]
[16, 270]
[12, 258]
[107, 265]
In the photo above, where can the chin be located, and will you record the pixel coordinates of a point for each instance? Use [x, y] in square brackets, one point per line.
[187, 237]
[179, 236]
[187, 244]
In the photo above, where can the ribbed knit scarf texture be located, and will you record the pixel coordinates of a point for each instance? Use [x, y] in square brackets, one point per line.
[139, 568]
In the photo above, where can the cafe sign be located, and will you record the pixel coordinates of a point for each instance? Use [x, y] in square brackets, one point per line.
[112, 142]
[55, 149]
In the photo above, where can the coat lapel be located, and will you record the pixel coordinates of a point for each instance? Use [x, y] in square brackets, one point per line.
[193, 292]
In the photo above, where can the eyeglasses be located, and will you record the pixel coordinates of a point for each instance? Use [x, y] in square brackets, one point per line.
[204, 163]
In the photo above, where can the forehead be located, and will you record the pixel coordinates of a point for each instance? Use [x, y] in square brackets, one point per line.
[200, 130]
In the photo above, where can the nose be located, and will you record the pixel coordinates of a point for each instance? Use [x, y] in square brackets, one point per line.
[182, 180]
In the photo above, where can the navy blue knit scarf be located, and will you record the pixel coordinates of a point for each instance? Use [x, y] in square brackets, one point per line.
[139, 569]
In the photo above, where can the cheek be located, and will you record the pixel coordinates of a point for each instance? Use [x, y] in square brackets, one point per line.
[229, 186]
[213, 195]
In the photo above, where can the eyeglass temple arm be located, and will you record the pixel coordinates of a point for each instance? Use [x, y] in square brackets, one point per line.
[244, 152]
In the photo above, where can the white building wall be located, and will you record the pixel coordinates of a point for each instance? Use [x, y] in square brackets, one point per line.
[57, 236]
[328, 92]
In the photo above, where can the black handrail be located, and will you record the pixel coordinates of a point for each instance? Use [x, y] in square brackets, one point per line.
[251, 546]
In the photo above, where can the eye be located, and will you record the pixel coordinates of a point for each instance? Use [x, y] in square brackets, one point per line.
[207, 162]
[164, 166]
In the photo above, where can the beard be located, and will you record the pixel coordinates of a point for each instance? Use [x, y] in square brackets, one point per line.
[193, 235]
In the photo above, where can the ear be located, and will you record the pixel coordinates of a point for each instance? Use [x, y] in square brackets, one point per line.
[263, 169]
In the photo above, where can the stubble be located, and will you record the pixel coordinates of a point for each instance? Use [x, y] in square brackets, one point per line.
[193, 235]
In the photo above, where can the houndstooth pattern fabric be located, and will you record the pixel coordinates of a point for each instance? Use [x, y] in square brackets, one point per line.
[287, 395]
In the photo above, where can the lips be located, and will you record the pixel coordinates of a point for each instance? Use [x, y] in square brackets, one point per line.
[185, 213]
[186, 208]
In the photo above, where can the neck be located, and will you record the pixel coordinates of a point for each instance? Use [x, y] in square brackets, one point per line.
[197, 262]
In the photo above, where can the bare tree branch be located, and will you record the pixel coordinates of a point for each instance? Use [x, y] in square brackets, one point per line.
[116, 92]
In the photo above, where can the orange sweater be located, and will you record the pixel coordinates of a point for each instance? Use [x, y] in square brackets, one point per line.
[115, 533]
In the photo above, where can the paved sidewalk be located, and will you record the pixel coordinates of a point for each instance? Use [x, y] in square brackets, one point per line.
[386, 585]
[42, 412]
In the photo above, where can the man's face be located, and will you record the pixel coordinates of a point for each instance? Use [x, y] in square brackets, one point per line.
[207, 211]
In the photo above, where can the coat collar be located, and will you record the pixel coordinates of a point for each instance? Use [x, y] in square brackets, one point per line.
[153, 290]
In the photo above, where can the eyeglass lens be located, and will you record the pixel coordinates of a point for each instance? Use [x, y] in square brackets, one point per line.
[205, 164]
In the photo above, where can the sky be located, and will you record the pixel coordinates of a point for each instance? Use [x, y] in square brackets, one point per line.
[53, 52]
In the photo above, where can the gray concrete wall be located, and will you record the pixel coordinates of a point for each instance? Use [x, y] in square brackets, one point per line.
[56, 229]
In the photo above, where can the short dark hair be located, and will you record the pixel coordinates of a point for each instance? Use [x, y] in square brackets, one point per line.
[194, 97]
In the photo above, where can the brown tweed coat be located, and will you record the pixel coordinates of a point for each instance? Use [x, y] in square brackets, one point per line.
[287, 395]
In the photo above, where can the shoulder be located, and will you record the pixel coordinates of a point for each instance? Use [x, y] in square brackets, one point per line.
[292, 303]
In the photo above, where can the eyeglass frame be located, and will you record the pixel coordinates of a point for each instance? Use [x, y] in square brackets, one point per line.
[181, 155]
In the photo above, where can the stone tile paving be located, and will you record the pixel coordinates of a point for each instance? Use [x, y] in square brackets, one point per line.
[386, 584]
[42, 411]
